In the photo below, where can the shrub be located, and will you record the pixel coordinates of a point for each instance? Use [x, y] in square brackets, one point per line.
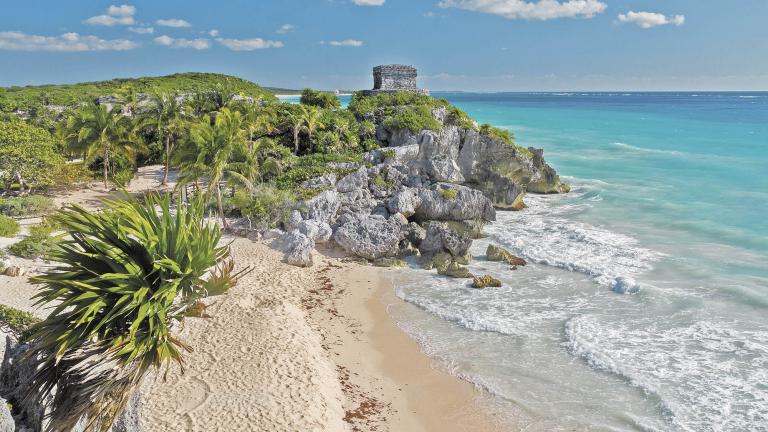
[8, 226]
[34, 246]
[126, 274]
[28, 156]
[72, 175]
[319, 99]
[449, 194]
[16, 320]
[32, 205]
[414, 119]
[264, 205]
[504, 136]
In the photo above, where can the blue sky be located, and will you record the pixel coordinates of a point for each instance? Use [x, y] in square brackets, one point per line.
[473, 45]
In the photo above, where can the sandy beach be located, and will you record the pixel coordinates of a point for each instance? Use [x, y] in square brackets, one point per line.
[289, 348]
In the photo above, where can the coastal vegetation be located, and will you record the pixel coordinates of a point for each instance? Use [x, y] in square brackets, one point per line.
[124, 276]
[8, 226]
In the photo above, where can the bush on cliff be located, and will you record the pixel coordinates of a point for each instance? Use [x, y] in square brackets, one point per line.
[319, 99]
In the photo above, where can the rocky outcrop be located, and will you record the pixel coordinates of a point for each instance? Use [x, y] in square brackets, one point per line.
[297, 248]
[450, 202]
[369, 237]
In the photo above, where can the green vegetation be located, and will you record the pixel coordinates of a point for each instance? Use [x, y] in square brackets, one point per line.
[24, 206]
[319, 99]
[16, 321]
[504, 136]
[125, 275]
[40, 241]
[26, 98]
[407, 110]
[449, 194]
[29, 158]
[8, 226]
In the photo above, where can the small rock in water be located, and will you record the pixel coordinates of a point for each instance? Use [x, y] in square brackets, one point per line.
[485, 281]
[498, 253]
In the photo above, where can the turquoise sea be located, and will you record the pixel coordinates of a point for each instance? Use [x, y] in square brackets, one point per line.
[646, 306]
[645, 303]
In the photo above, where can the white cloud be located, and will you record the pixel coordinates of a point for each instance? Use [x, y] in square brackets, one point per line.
[116, 15]
[368, 2]
[142, 30]
[345, 43]
[198, 44]
[67, 42]
[249, 44]
[286, 28]
[173, 22]
[647, 20]
[213, 33]
[521, 9]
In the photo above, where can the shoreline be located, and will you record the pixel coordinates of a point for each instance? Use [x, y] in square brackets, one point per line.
[386, 364]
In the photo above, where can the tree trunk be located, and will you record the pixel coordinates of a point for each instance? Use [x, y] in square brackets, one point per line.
[106, 168]
[167, 159]
[296, 141]
[221, 207]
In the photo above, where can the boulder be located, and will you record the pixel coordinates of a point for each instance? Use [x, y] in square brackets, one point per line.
[406, 202]
[13, 271]
[441, 238]
[444, 169]
[369, 237]
[455, 270]
[498, 253]
[401, 137]
[294, 219]
[323, 207]
[297, 248]
[415, 233]
[485, 281]
[449, 202]
[354, 181]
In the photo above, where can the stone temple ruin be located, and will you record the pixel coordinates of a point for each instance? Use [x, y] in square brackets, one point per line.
[394, 78]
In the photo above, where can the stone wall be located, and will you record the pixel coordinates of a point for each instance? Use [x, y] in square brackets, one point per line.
[393, 78]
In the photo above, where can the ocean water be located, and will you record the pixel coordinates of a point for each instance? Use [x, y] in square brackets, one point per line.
[645, 303]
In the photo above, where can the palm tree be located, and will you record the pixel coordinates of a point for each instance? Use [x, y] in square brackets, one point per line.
[260, 121]
[101, 131]
[312, 121]
[163, 114]
[125, 275]
[296, 123]
[215, 144]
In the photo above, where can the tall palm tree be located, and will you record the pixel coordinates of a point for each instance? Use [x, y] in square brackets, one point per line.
[101, 131]
[215, 144]
[260, 121]
[312, 121]
[163, 114]
[296, 123]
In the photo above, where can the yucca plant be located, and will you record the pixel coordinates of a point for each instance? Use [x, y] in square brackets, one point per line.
[125, 275]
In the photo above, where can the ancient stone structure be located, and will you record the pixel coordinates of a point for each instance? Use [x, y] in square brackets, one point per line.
[394, 78]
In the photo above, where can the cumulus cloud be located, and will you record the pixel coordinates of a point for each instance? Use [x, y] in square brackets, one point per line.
[368, 2]
[116, 15]
[521, 9]
[647, 20]
[173, 22]
[345, 43]
[198, 44]
[286, 28]
[213, 33]
[67, 42]
[249, 44]
[142, 30]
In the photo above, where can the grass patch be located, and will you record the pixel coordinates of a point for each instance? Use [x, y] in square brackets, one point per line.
[32, 205]
[16, 320]
[8, 226]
